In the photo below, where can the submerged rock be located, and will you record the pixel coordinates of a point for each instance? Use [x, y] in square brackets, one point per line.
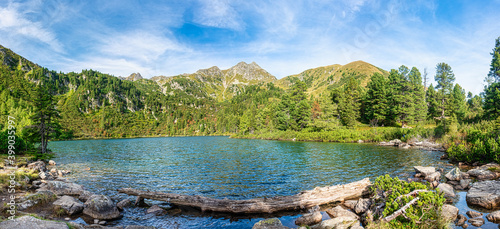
[156, 210]
[477, 222]
[494, 217]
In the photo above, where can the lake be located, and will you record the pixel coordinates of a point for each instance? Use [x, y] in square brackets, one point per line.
[222, 167]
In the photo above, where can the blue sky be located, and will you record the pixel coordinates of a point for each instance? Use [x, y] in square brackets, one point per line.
[284, 37]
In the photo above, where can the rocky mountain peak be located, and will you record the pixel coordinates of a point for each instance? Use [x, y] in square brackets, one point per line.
[250, 71]
[213, 71]
[134, 77]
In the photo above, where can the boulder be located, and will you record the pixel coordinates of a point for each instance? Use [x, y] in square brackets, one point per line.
[447, 190]
[156, 210]
[350, 204]
[51, 162]
[63, 188]
[273, 223]
[482, 174]
[362, 206]
[122, 204]
[477, 222]
[424, 170]
[453, 174]
[45, 176]
[69, 204]
[138, 227]
[101, 207]
[309, 219]
[339, 211]
[449, 212]
[461, 219]
[474, 214]
[337, 223]
[494, 216]
[32, 223]
[485, 194]
[464, 184]
[35, 198]
[435, 176]
[38, 166]
[85, 195]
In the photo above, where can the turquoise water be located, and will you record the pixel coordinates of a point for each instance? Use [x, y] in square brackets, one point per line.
[221, 167]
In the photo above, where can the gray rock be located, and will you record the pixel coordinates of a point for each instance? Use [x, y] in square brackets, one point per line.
[337, 223]
[122, 204]
[477, 222]
[32, 223]
[350, 204]
[424, 170]
[473, 214]
[447, 190]
[69, 204]
[482, 174]
[340, 212]
[38, 166]
[494, 216]
[485, 194]
[449, 212]
[435, 176]
[273, 223]
[156, 210]
[465, 183]
[63, 188]
[45, 176]
[35, 198]
[85, 195]
[51, 162]
[101, 207]
[309, 219]
[362, 206]
[453, 174]
[461, 219]
[138, 227]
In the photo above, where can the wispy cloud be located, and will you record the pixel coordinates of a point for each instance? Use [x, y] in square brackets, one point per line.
[15, 25]
[219, 14]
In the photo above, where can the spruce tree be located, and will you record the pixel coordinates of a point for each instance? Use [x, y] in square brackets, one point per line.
[418, 95]
[376, 100]
[444, 78]
[458, 104]
[431, 99]
[45, 115]
[494, 73]
[349, 103]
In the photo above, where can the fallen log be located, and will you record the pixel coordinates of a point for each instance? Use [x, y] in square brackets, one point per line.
[303, 200]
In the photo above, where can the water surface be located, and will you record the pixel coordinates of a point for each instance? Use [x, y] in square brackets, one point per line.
[221, 167]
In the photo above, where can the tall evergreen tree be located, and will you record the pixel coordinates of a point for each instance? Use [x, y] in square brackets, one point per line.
[444, 78]
[45, 115]
[376, 100]
[418, 95]
[349, 101]
[458, 104]
[431, 99]
[494, 73]
[492, 101]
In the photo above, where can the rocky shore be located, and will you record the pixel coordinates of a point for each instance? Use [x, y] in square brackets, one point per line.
[415, 144]
[51, 201]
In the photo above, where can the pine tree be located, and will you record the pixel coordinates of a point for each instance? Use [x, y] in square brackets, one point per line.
[492, 101]
[431, 99]
[45, 115]
[494, 73]
[349, 103]
[376, 100]
[418, 95]
[458, 104]
[444, 78]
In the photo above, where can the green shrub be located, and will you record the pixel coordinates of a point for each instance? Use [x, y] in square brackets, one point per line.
[393, 192]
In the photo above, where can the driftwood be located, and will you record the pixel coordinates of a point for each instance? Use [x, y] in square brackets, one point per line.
[303, 200]
[400, 211]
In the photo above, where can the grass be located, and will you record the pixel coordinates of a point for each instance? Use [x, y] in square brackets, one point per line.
[22, 175]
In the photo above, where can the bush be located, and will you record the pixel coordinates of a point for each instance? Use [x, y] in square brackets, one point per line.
[393, 192]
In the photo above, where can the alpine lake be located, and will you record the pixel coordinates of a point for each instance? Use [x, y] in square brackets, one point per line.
[223, 167]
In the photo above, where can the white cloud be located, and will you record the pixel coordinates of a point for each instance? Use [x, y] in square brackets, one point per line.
[219, 14]
[13, 23]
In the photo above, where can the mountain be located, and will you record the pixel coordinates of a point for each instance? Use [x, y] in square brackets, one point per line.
[216, 83]
[208, 101]
[328, 77]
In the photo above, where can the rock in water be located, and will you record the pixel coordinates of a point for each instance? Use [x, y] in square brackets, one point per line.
[273, 223]
[461, 220]
[477, 222]
[338, 223]
[485, 194]
[449, 212]
[101, 207]
[122, 204]
[69, 204]
[453, 174]
[340, 212]
[482, 174]
[30, 222]
[494, 217]
[447, 190]
[309, 219]
[435, 176]
[362, 206]
[473, 214]
[155, 209]
[424, 170]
